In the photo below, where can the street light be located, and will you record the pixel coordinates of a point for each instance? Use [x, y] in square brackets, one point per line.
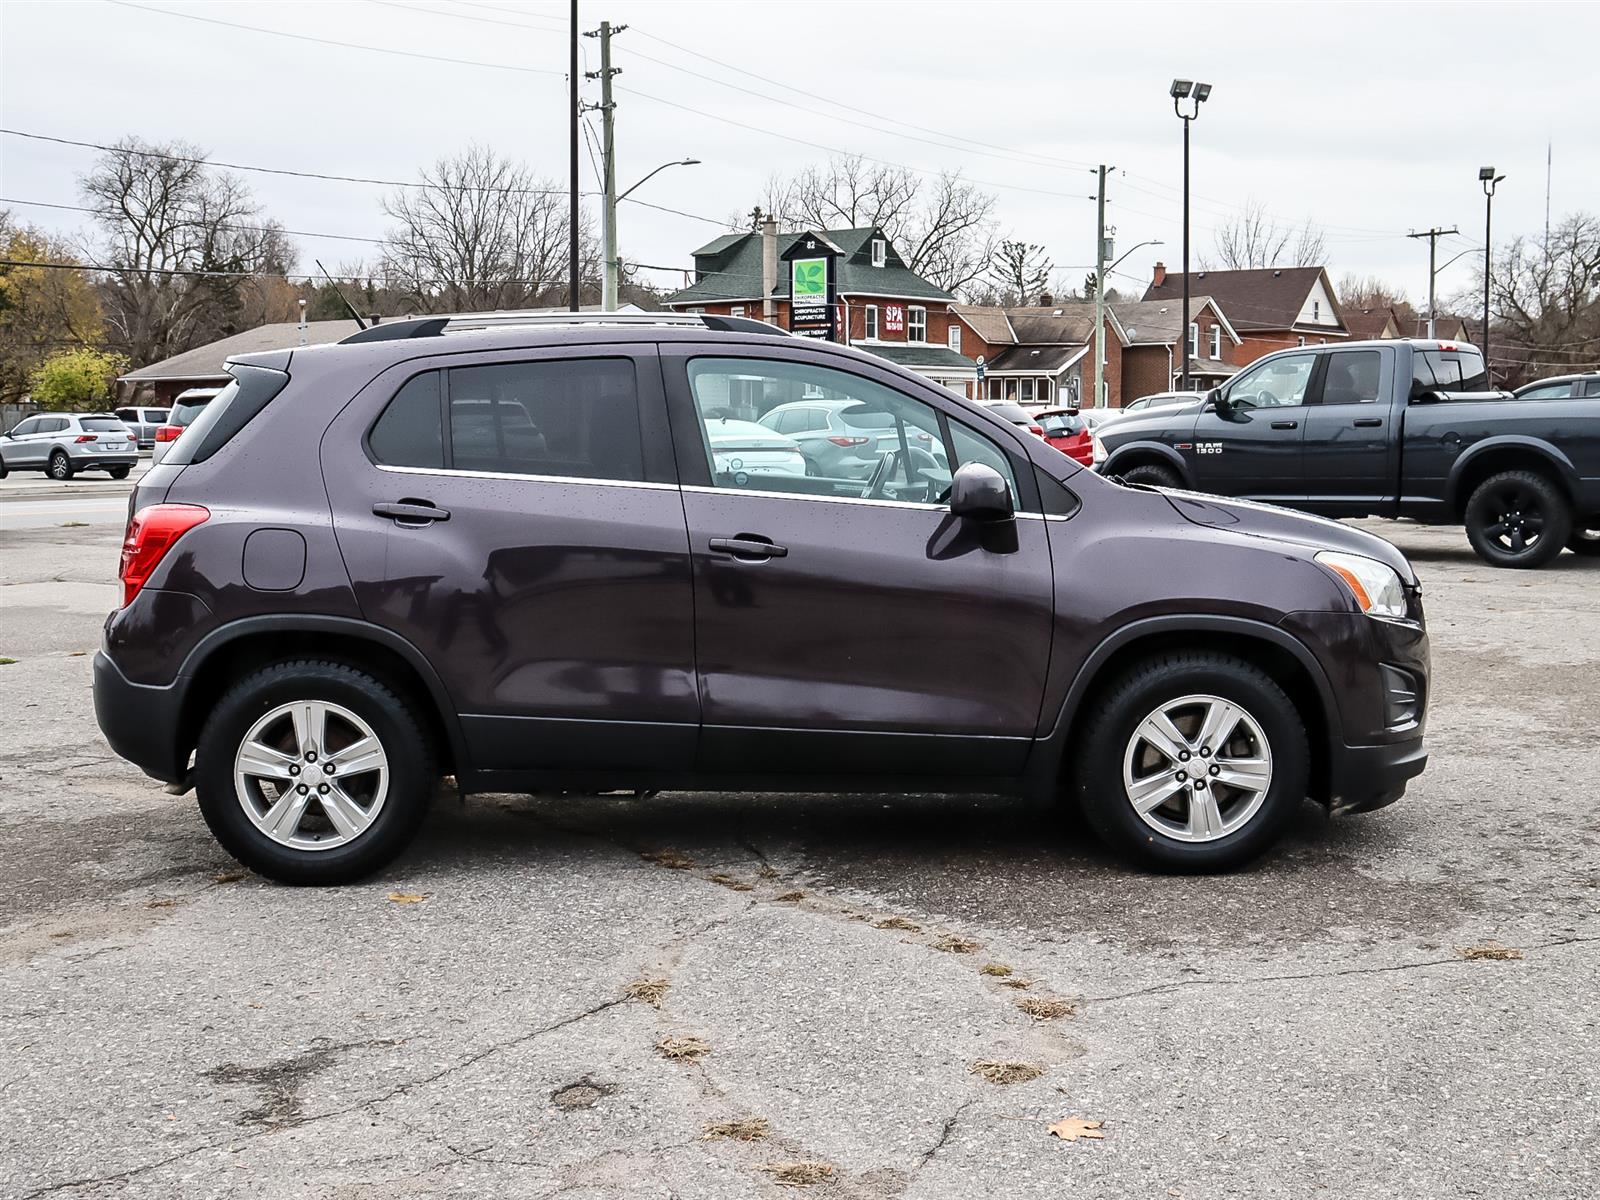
[1184, 89]
[1488, 178]
[608, 299]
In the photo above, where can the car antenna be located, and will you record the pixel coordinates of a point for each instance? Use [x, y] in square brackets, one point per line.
[360, 324]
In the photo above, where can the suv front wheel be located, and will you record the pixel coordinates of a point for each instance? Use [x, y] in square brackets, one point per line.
[313, 772]
[1193, 762]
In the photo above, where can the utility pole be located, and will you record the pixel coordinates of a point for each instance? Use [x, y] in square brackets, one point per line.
[607, 106]
[1433, 236]
[1100, 290]
[572, 148]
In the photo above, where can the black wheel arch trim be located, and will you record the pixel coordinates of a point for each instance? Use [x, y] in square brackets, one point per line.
[1044, 764]
[1566, 473]
[1117, 461]
[352, 627]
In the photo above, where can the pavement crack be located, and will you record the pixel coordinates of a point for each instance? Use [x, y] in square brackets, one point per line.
[1301, 976]
[944, 1134]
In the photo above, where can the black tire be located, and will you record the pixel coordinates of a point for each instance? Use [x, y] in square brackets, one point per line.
[1153, 475]
[60, 466]
[1585, 539]
[401, 734]
[3, 471]
[118, 472]
[1139, 692]
[1518, 519]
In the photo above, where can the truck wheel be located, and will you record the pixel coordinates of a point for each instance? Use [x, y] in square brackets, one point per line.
[1518, 519]
[60, 465]
[1153, 475]
[1585, 541]
[118, 472]
[313, 772]
[3, 471]
[1192, 761]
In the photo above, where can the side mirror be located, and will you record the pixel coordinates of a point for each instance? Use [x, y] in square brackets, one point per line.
[979, 493]
[1216, 401]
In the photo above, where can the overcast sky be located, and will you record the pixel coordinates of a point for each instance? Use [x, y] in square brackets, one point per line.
[1371, 119]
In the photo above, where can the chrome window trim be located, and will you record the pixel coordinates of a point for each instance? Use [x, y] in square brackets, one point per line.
[769, 495]
[455, 473]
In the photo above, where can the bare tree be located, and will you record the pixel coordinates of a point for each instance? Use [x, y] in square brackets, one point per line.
[1545, 301]
[482, 233]
[1253, 239]
[944, 227]
[1368, 293]
[1019, 273]
[166, 219]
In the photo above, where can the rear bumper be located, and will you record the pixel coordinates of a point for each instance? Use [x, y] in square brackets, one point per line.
[1362, 778]
[139, 721]
[120, 459]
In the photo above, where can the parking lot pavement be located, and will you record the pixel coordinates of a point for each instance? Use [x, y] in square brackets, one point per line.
[1335, 1020]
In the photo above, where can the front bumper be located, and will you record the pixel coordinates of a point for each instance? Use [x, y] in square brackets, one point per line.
[140, 721]
[1362, 778]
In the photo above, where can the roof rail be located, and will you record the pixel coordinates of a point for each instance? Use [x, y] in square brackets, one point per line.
[419, 327]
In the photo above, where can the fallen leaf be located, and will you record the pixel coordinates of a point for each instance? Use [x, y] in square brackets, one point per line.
[163, 902]
[649, 990]
[1016, 983]
[790, 897]
[1046, 1008]
[673, 860]
[732, 883]
[1492, 951]
[798, 1174]
[227, 877]
[1004, 1072]
[954, 943]
[998, 970]
[683, 1049]
[1070, 1129]
[898, 923]
[740, 1129]
[407, 897]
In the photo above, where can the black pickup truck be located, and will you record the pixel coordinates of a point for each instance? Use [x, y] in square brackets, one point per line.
[1400, 428]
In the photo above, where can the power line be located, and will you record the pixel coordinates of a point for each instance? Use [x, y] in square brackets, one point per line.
[302, 37]
[291, 276]
[343, 237]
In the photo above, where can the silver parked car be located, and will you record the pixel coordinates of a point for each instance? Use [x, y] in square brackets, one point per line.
[62, 444]
[143, 422]
[1173, 400]
[185, 408]
[844, 439]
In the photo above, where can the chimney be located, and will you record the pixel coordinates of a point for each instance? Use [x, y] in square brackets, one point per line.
[769, 269]
[374, 319]
[1159, 276]
[1046, 299]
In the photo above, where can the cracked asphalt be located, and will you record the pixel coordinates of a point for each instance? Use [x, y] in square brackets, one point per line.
[172, 1027]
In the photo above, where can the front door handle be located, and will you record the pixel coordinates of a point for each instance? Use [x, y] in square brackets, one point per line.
[1369, 422]
[1286, 424]
[748, 547]
[411, 512]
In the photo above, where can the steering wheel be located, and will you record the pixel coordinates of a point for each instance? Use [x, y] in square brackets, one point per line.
[1264, 399]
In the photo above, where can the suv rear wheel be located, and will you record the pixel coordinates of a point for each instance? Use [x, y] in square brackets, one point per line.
[1517, 519]
[313, 772]
[60, 465]
[1193, 762]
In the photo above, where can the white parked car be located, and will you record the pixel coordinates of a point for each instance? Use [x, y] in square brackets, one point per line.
[746, 448]
[185, 409]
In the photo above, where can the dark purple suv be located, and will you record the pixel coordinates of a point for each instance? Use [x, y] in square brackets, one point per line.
[537, 554]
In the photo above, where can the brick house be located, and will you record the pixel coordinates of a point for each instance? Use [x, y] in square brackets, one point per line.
[880, 305]
[1041, 355]
[1152, 359]
[1368, 324]
[1272, 308]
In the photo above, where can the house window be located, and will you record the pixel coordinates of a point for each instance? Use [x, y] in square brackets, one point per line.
[953, 337]
[1316, 310]
[1301, 340]
[871, 322]
[1027, 391]
[880, 252]
[736, 311]
[1216, 341]
[1194, 340]
[917, 324]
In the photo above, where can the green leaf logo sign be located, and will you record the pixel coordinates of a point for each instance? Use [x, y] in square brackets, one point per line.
[810, 277]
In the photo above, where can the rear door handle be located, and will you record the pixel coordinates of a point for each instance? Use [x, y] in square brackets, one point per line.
[748, 546]
[1369, 422]
[1286, 424]
[411, 512]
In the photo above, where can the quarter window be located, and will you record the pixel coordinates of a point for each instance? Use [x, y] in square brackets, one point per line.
[410, 432]
[916, 324]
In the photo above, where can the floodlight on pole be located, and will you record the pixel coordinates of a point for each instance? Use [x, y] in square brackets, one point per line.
[1488, 178]
[1185, 89]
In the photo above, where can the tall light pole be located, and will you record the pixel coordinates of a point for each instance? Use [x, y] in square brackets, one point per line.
[1488, 178]
[1101, 270]
[613, 256]
[1184, 89]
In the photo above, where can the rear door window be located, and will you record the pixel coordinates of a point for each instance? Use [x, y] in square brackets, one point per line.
[1352, 377]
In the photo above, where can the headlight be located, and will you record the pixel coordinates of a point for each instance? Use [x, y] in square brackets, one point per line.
[1375, 587]
[1097, 451]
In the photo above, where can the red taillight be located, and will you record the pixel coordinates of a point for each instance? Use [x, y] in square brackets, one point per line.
[168, 433]
[848, 441]
[151, 533]
[85, 437]
[1036, 430]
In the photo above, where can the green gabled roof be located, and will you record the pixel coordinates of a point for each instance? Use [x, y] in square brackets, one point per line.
[919, 354]
[730, 269]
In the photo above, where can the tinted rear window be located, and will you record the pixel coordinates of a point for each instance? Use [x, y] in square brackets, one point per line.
[410, 433]
[226, 413]
[104, 425]
[1459, 370]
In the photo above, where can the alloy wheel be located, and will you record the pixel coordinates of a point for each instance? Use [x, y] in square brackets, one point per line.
[311, 775]
[1515, 519]
[1197, 769]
